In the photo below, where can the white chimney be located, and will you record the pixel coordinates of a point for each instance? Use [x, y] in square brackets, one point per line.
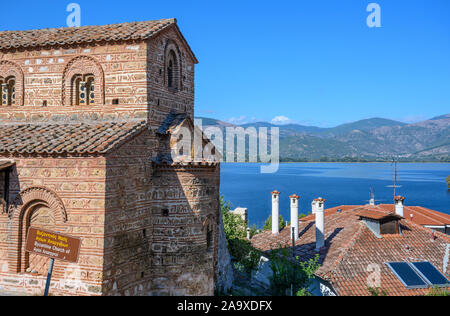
[399, 206]
[320, 223]
[313, 207]
[294, 215]
[372, 198]
[275, 212]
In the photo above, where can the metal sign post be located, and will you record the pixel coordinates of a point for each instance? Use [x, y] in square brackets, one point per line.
[53, 245]
[49, 276]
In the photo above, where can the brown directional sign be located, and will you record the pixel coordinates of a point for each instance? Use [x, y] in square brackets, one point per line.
[53, 245]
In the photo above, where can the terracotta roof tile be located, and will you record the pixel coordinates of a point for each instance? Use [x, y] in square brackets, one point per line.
[422, 215]
[350, 248]
[79, 138]
[84, 34]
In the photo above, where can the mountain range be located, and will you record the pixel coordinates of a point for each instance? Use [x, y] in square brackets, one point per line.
[375, 139]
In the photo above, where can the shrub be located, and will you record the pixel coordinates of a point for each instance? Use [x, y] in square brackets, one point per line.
[268, 223]
[439, 292]
[236, 232]
[289, 274]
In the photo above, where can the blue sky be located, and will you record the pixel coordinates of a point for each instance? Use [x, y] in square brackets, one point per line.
[313, 62]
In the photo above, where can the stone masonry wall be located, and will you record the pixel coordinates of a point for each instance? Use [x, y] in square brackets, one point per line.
[156, 224]
[182, 262]
[133, 72]
[80, 184]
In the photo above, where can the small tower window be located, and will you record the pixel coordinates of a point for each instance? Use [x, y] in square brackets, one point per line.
[84, 89]
[173, 69]
[8, 91]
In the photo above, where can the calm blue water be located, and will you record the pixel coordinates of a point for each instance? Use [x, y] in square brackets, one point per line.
[340, 184]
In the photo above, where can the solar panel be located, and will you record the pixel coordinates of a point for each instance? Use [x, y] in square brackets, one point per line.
[406, 274]
[430, 274]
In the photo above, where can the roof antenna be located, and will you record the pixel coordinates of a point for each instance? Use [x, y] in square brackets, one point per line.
[395, 186]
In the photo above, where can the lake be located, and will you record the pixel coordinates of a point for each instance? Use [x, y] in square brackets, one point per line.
[339, 183]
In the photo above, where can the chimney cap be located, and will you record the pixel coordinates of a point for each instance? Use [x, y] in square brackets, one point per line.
[275, 193]
[320, 200]
[294, 196]
[399, 198]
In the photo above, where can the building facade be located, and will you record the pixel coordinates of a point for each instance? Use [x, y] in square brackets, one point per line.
[91, 123]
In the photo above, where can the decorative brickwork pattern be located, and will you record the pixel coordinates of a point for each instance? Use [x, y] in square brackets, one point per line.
[82, 66]
[93, 170]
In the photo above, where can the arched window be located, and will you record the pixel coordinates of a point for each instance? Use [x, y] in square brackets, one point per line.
[173, 75]
[83, 82]
[8, 91]
[83, 87]
[173, 67]
[11, 84]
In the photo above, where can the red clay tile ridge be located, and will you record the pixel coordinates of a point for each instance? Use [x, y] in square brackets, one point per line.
[84, 34]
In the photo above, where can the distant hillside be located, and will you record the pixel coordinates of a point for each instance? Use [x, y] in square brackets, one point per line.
[369, 139]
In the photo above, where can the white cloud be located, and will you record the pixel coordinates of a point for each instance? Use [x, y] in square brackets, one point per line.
[239, 120]
[282, 120]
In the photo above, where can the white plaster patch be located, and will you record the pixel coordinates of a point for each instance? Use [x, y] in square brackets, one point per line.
[30, 69]
[88, 50]
[108, 57]
[45, 53]
[60, 60]
[38, 61]
[4, 267]
[27, 62]
[57, 52]
[133, 47]
[43, 69]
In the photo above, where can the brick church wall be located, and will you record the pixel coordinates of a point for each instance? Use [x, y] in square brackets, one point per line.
[147, 229]
[156, 224]
[80, 183]
[134, 73]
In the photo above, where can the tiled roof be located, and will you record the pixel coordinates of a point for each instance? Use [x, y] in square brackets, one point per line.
[84, 34]
[420, 215]
[79, 138]
[373, 212]
[351, 247]
[171, 123]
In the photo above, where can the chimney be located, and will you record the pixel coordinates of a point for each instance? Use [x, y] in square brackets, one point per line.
[294, 214]
[399, 206]
[313, 207]
[372, 200]
[320, 223]
[275, 212]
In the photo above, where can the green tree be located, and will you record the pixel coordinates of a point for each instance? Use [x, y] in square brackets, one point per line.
[439, 292]
[268, 223]
[236, 233]
[291, 275]
[377, 291]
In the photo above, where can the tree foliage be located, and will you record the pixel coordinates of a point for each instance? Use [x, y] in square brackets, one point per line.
[289, 274]
[268, 223]
[236, 232]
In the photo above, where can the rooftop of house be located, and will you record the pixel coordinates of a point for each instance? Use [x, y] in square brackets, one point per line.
[84, 34]
[351, 248]
[76, 138]
[417, 214]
